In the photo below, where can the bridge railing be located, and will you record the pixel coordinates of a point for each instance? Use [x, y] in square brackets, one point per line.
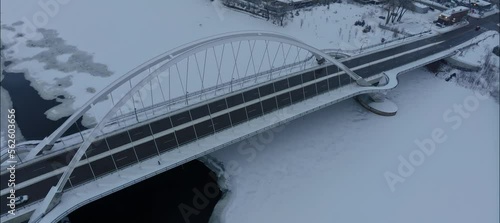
[166, 106]
[169, 105]
[230, 86]
[124, 120]
[120, 187]
[268, 51]
[24, 207]
[353, 52]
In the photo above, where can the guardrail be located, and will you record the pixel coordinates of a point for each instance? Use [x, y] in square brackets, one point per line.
[394, 29]
[177, 100]
[23, 207]
[86, 201]
[178, 163]
[477, 42]
[356, 51]
[230, 84]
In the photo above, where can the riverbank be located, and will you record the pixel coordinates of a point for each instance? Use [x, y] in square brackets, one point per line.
[318, 167]
[5, 106]
[31, 109]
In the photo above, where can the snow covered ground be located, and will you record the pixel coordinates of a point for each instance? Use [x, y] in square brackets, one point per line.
[110, 47]
[80, 48]
[413, 22]
[433, 3]
[329, 166]
[437, 160]
[478, 14]
[429, 163]
[475, 54]
[481, 55]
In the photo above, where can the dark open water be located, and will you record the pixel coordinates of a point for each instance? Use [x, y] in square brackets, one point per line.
[184, 194]
[159, 199]
[30, 108]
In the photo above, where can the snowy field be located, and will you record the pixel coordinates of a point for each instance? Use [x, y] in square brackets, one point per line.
[81, 47]
[481, 55]
[341, 161]
[475, 54]
[428, 163]
[330, 166]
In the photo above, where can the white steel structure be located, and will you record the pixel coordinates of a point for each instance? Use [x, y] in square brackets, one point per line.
[187, 75]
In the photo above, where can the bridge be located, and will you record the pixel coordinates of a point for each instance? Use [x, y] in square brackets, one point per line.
[193, 100]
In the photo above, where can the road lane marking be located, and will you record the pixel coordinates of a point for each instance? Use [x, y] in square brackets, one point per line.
[394, 56]
[163, 133]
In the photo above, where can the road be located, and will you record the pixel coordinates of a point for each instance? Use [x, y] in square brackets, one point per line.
[167, 142]
[433, 5]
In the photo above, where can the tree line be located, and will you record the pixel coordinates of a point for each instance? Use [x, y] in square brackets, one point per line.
[279, 12]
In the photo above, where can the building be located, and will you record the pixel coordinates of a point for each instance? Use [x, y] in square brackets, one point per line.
[453, 15]
[479, 5]
[420, 8]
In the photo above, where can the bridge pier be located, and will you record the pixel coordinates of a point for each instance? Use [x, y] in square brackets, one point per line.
[160, 65]
[377, 102]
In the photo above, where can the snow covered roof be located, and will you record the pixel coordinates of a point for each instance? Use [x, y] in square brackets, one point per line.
[481, 2]
[420, 5]
[289, 1]
[477, 2]
[451, 11]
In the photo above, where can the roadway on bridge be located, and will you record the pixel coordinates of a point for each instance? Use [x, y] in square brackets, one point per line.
[34, 169]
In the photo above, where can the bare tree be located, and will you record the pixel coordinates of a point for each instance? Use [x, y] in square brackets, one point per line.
[396, 9]
[405, 6]
[390, 7]
[489, 71]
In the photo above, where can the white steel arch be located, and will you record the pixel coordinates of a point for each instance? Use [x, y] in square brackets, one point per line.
[172, 57]
[179, 53]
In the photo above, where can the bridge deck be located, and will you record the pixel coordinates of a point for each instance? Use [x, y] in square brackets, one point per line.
[136, 172]
[296, 104]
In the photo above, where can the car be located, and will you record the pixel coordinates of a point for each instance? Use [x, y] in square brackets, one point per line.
[477, 28]
[21, 199]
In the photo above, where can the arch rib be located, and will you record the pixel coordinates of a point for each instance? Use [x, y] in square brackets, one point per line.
[170, 58]
[48, 142]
